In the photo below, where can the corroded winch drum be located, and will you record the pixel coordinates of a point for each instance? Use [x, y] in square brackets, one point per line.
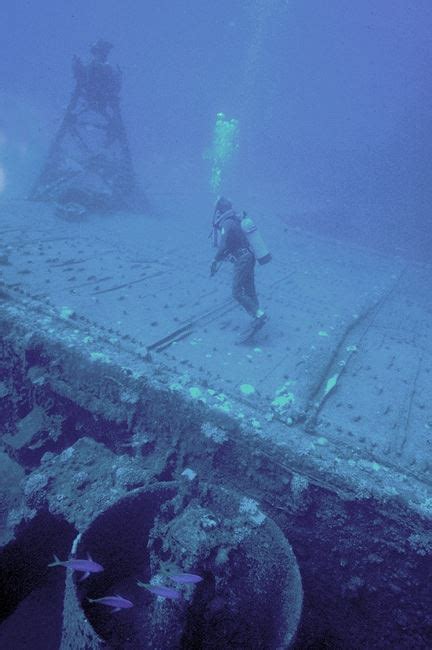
[251, 592]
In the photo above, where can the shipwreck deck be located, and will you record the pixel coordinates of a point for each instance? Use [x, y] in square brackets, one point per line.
[340, 376]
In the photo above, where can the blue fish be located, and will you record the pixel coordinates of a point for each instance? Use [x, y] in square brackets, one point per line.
[177, 575]
[85, 566]
[117, 602]
[161, 590]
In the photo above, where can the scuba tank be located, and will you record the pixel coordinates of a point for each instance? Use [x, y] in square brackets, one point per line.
[255, 240]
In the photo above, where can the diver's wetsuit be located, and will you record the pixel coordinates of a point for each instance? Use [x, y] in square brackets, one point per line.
[234, 246]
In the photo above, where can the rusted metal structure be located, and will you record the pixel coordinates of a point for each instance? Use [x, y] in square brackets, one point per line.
[89, 166]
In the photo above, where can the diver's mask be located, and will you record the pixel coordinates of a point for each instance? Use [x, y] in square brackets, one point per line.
[217, 216]
[222, 208]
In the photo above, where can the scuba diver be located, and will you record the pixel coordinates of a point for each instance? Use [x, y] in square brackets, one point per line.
[232, 242]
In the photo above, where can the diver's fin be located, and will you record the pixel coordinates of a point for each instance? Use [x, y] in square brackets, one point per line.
[249, 332]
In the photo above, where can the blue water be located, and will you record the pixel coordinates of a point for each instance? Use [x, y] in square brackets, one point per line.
[332, 99]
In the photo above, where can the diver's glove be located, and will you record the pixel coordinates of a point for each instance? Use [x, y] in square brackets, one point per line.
[214, 267]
